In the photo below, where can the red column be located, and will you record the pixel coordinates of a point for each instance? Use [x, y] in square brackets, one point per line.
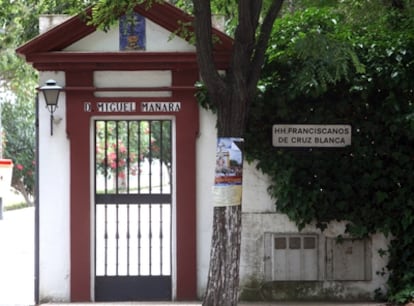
[186, 133]
[78, 130]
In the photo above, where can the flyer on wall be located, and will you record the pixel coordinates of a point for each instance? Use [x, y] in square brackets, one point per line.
[227, 190]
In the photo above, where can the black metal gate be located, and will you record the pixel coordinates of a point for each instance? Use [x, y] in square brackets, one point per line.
[133, 164]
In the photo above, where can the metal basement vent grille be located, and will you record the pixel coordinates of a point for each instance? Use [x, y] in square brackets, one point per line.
[312, 257]
[291, 257]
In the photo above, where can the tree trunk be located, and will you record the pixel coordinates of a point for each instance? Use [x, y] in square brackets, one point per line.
[223, 278]
[19, 186]
[232, 96]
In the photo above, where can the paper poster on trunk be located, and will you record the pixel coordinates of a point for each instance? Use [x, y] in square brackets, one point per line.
[227, 190]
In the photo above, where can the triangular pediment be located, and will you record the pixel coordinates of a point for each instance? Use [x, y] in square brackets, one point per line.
[156, 39]
[162, 23]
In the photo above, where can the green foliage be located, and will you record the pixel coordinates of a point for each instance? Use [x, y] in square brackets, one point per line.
[401, 264]
[18, 80]
[105, 13]
[322, 70]
[204, 99]
[122, 146]
[20, 144]
[312, 38]
[15, 206]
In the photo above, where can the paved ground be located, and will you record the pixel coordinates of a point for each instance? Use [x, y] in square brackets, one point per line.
[17, 267]
[17, 257]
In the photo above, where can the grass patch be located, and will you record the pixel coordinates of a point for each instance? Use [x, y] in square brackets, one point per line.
[15, 206]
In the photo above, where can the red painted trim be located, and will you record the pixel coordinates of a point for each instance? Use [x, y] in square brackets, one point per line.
[49, 61]
[186, 134]
[59, 37]
[80, 207]
[170, 17]
[75, 28]
[113, 57]
[80, 203]
[78, 127]
[6, 163]
[164, 88]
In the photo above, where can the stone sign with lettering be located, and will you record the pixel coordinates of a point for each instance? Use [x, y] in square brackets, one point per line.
[311, 135]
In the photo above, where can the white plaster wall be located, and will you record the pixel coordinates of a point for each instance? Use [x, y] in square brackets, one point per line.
[54, 248]
[206, 161]
[252, 253]
[255, 196]
[158, 39]
[133, 79]
[259, 216]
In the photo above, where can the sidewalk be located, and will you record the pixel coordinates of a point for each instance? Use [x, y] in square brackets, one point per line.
[17, 257]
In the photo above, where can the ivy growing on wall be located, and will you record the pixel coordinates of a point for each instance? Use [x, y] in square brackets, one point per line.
[320, 70]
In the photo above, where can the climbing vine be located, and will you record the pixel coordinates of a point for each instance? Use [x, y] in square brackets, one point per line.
[320, 70]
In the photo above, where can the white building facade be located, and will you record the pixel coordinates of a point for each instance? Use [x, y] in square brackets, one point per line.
[103, 229]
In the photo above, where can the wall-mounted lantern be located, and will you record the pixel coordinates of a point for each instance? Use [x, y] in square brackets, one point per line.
[51, 93]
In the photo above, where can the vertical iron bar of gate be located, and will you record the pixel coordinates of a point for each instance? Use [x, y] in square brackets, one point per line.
[117, 239]
[105, 154]
[106, 191]
[170, 152]
[150, 155]
[127, 182]
[116, 149]
[139, 158]
[117, 163]
[139, 239]
[106, 240]
[150, 239]
[150, 191]
[128, 237]
[161, 191]
[139, 161]
[161, 155]
[139, 191]
[128, 152]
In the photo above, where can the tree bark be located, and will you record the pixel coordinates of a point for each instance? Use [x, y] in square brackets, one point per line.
[223, 277]
[232, 96]
[19, 186]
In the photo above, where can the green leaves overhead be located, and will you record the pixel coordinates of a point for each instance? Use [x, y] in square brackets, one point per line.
[314, 39]
[322, 68]
[18, 80]
[19, 144]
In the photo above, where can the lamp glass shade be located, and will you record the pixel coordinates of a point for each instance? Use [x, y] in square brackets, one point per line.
[51, 92]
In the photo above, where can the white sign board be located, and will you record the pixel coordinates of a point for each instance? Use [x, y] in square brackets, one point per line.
[311, 135]
[6, 173]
